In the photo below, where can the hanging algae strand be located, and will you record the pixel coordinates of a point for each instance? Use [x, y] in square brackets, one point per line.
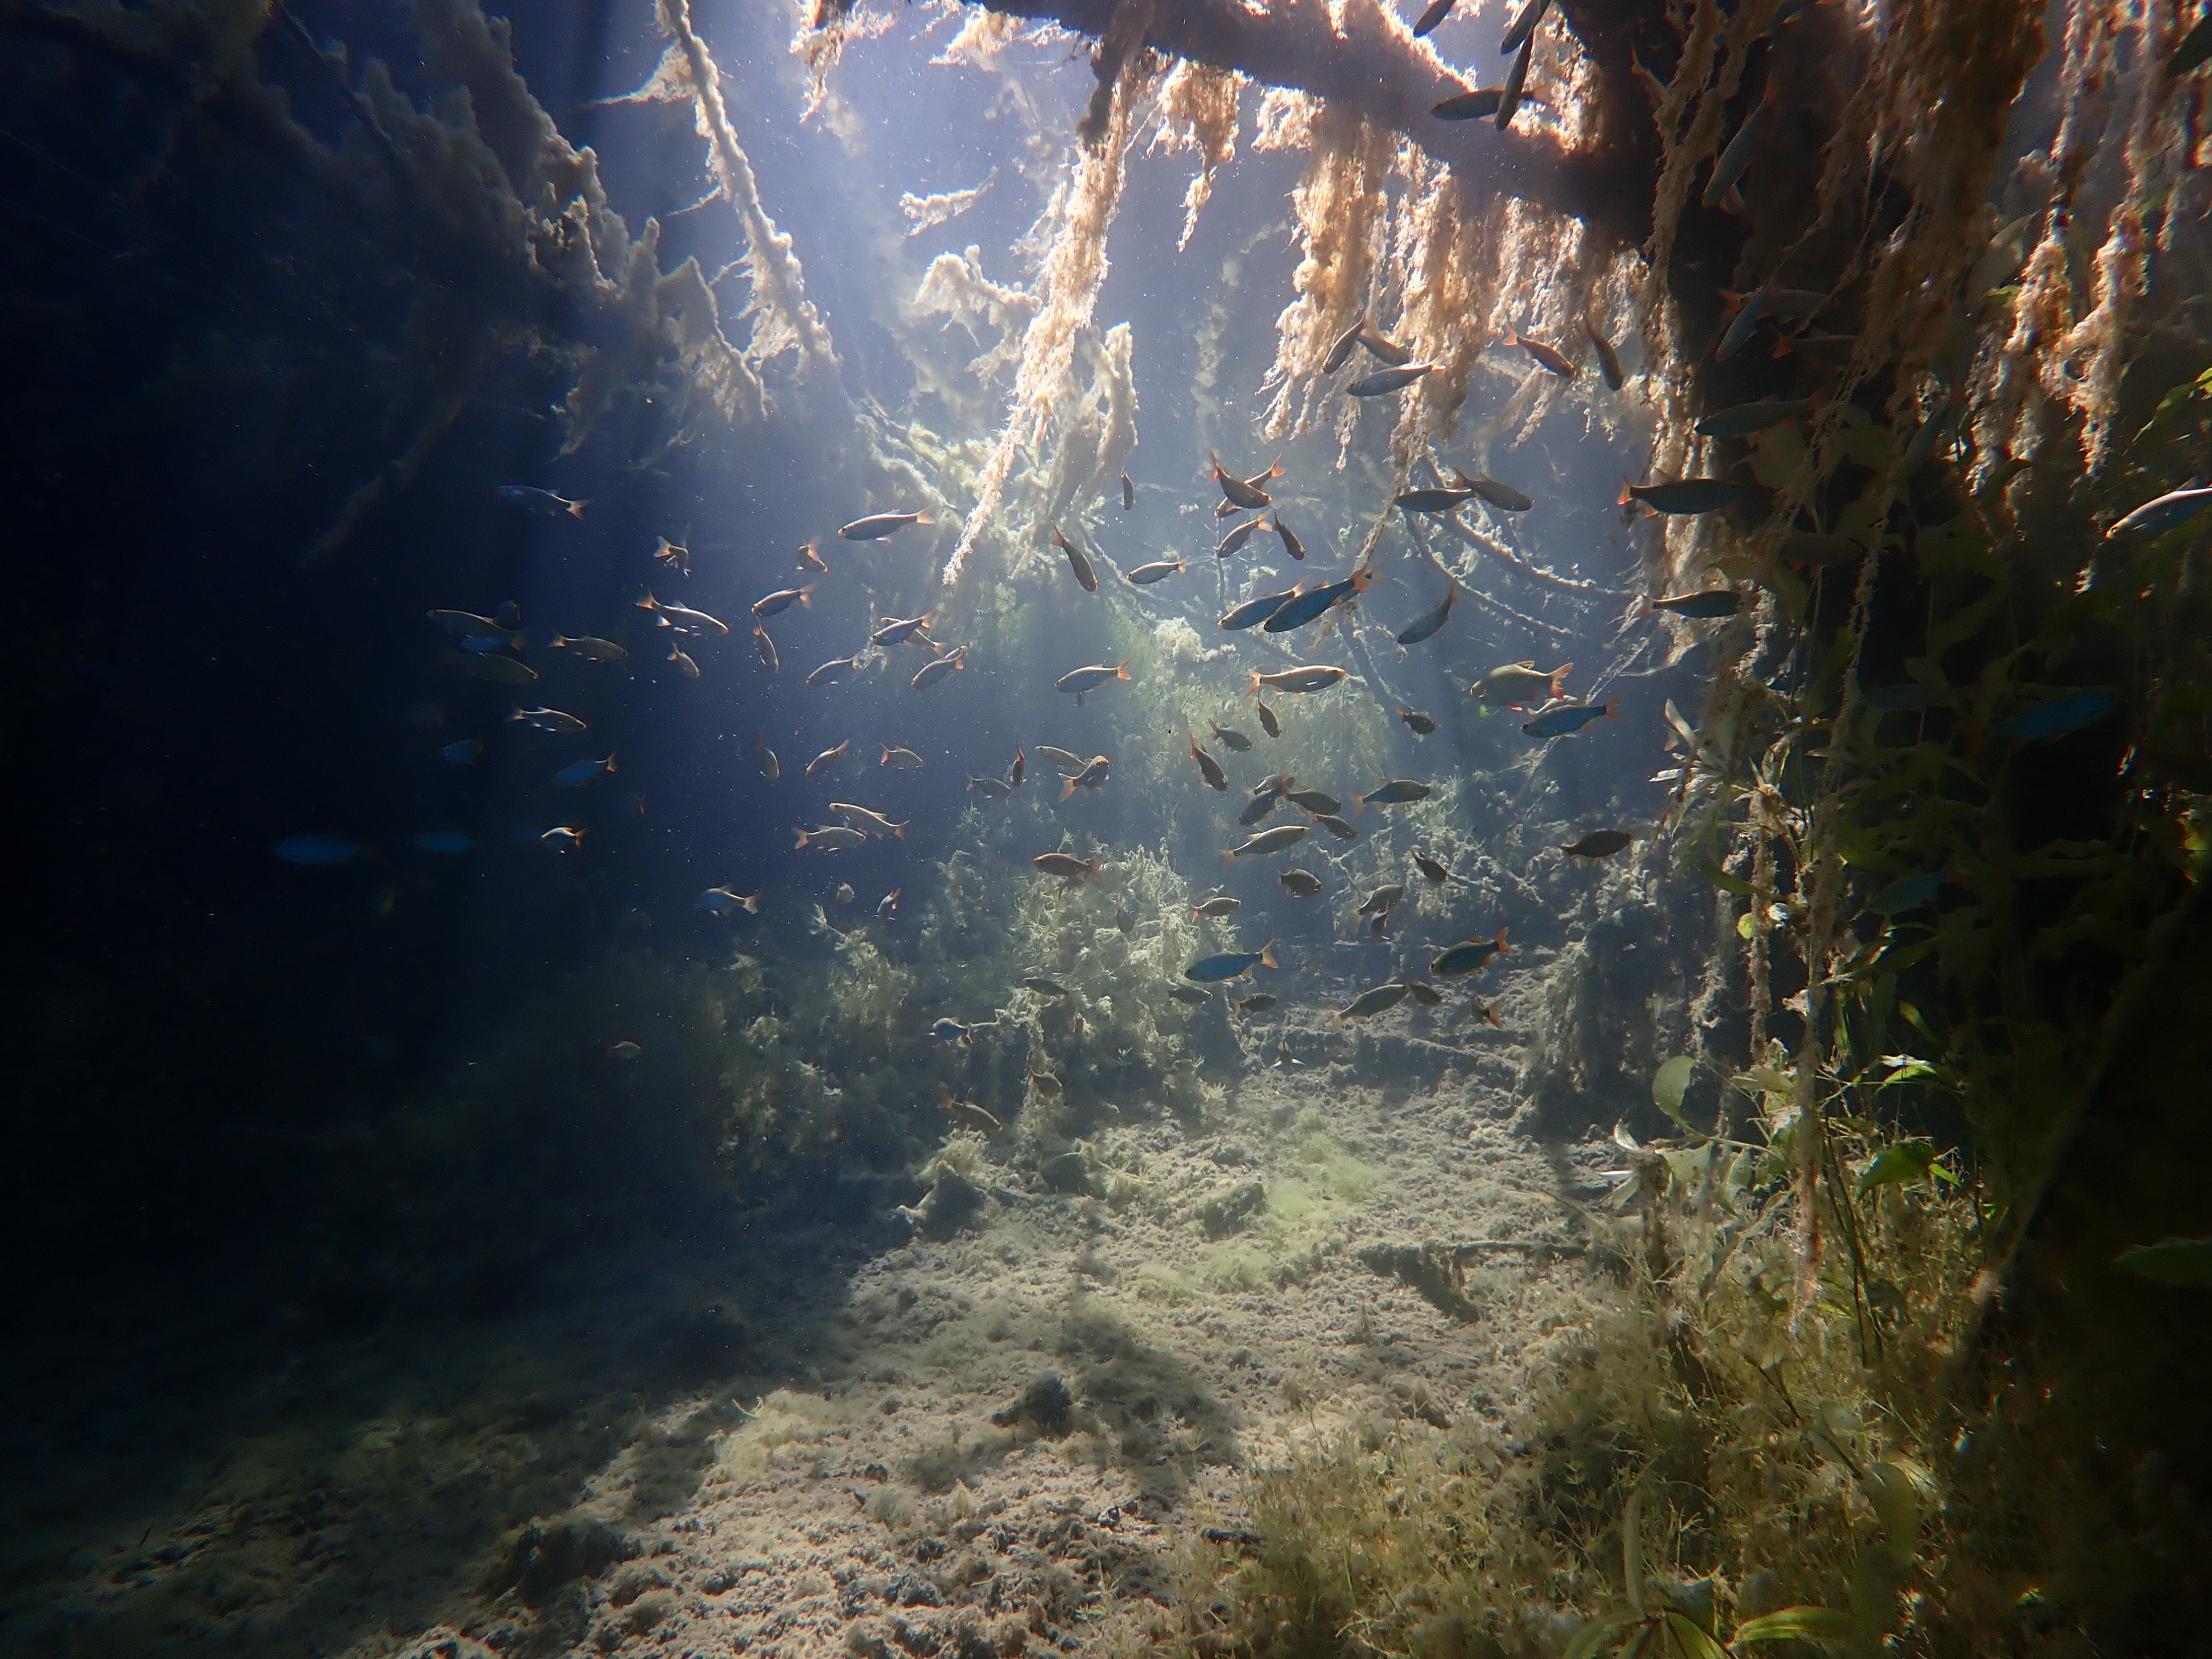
[783, 319]
[1073, 271]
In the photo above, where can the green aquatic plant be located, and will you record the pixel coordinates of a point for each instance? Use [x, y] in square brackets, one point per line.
[1790, 1459]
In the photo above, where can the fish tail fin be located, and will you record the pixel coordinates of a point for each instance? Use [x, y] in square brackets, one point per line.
[1560, 678]
[1627, 492]
[1612, 708]
[1255, 683]
[801, 844]
[923, 517]
[1490, 1013]
[1121, 672]
[648, 603]
[1359, 804]
[899, 829]
[1216, 459]
[1069, 790]
[514, 711]
[1643, 606]
[1096, 869]
[1275, 468]
[1229, 855]
[1267, 954]
[611, 760]
[886, 760]
[575, 509]
[806, 593]
[752, 902]
[1503, 949]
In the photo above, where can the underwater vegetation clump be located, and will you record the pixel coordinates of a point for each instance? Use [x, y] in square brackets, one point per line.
[1761, 1483]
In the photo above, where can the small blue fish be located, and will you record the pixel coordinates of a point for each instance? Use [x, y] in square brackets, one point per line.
[1429, 620]
[1383, 382]
[318, 849]
[1468, 955]
[722, 901]
[1253, 612]
[541, 500]
[1683, 496]
[1565, 717]
[1744, 419]
[450, 842]
[462, 753]
[1478, 106]
[2055, 718]
[577, 772]
[1908, 891]
[1747, 321]
[1231, 964]
[2163, 512]
[1703, 603]
[1431, 501]
[1721, 187]
[1301, 609]
[1523, 25]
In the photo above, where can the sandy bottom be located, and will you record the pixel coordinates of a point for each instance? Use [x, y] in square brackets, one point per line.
[1033, 1433]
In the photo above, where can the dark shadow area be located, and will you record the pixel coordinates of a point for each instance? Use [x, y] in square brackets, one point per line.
[279, 1492]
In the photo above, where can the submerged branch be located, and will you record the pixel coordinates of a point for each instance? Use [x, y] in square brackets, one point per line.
[1376, 70]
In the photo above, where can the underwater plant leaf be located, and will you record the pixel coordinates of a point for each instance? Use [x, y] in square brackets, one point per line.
[1765, 1079]
[1823, 1626]
[1965, 621]
[1593, 1636]
[1861, 521]
[1631, 1551]
[1670, 1082]
[1721, 879]
[1953, 548]
[2171, 405]
[1691, 1639]
[1775, 454]
[1905, 1068]
[2185, 1262]
[1788, 587]
[1895, 1497]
